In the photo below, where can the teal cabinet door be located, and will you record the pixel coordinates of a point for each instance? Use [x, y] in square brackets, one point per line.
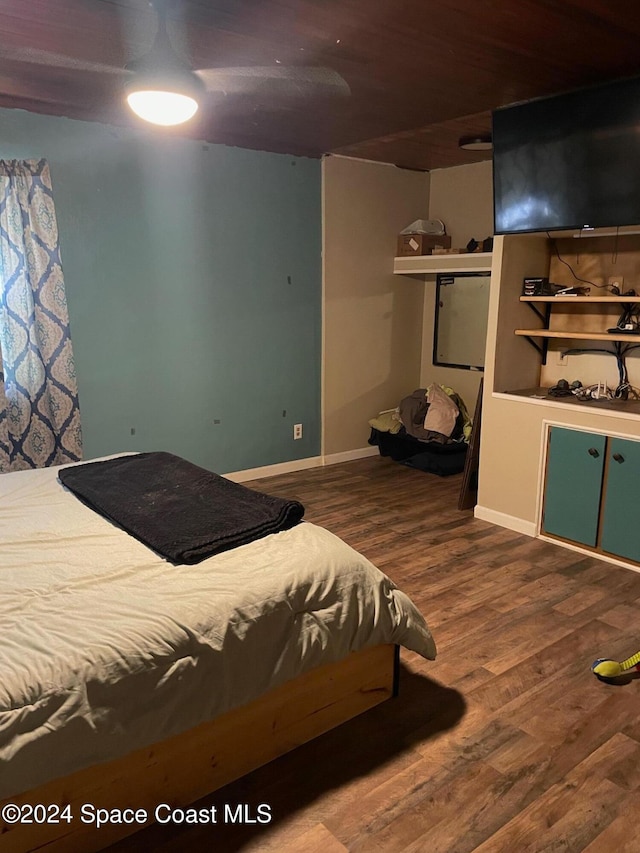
[573, 487]
[621, 519]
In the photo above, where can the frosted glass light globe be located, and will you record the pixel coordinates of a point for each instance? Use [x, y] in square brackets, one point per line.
[164, 108]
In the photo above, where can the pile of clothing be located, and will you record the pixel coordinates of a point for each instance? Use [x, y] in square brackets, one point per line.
[428, 430]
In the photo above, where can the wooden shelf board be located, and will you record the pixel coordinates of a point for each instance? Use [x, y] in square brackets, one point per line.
[577, 336]
[580, 300]
[433, 264]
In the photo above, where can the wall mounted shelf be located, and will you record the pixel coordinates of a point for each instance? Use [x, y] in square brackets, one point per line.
[577, 336]
[433, 264]
[545, 333]
[580, 300]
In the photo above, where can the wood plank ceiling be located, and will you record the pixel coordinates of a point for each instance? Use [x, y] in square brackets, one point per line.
[421, 73]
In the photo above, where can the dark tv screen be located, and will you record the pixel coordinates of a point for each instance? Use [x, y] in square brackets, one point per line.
[569, 161]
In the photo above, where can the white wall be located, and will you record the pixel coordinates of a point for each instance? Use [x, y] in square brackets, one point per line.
[462, 197]
[372, 323]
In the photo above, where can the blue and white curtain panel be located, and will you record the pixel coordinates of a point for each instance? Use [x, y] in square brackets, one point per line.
[39, 413]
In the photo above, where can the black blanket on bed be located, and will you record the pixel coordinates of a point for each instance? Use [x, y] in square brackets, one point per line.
[183, 512]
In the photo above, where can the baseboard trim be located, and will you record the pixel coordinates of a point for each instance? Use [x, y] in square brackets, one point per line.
[504, 520]
[272, 470]
[349, 455]
[300, 464]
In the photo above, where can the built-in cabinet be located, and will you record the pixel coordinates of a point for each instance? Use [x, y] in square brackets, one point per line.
[581, 489]
[592, 491]
[573, 485]
[527, 352]
[620, 532]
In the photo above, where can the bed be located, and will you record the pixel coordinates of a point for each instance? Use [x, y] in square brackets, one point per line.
[131, 681]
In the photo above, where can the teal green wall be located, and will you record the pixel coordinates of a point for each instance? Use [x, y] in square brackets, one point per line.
[193, 276]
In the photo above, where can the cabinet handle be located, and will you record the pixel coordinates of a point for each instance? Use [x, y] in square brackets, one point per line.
[618, 457]
[593, 452]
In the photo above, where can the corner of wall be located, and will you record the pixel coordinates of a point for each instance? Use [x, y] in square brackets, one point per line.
[372, 320]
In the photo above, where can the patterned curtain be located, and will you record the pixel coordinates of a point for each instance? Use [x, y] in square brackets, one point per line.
[39, 414]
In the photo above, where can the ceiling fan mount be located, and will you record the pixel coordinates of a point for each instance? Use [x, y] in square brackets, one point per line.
[162, 88]
[161, 57]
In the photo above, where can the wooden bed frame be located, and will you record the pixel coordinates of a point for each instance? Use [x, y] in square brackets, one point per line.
[180, 770]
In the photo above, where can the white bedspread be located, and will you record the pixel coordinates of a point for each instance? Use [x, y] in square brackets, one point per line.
[105, 647]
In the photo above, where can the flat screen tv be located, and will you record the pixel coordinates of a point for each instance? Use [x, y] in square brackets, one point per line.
[568, 161]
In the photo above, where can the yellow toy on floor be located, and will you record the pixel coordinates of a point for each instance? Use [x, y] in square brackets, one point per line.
[611, 670]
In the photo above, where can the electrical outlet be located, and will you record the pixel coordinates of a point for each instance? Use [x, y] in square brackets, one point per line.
[616, 281]
[297, 431]
[562, 359]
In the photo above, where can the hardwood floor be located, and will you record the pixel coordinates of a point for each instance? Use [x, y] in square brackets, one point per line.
[507, 743]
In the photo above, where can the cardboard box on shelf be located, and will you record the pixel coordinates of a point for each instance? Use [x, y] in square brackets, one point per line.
[421, 244]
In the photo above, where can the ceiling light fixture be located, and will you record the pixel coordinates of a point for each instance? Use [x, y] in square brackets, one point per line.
[478, 142]
[164, 98]
[164, 108]
[163, 89]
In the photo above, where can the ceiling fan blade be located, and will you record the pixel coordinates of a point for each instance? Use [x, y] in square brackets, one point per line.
[34, 56]
[275, 80]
